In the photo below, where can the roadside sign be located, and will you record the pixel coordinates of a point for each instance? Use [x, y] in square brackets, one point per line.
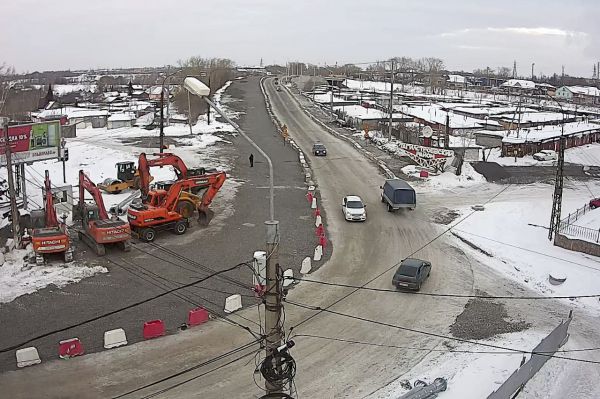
[32, 142]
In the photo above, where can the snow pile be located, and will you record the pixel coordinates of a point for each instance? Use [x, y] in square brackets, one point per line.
[468, 177]
[326, 98]
[17, 280]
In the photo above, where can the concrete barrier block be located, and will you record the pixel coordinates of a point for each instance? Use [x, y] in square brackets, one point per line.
[306, 266]
[28, 357]
[318, 221]
[114, 338]
[233, 303]
[318, 253]
[288, 277]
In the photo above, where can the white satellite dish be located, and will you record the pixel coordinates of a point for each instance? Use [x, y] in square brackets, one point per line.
[427, 131]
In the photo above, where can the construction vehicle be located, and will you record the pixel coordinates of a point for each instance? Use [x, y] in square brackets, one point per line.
[127, 177]
[97, 228]
[170, 209]
[164, 159]
[49, 236]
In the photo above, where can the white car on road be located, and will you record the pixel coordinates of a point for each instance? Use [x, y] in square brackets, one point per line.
[545, 155]
[354, 209]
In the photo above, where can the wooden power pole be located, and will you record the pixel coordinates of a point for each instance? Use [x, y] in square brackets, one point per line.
[391, 100]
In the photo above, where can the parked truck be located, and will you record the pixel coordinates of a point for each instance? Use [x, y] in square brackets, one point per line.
[397, 194]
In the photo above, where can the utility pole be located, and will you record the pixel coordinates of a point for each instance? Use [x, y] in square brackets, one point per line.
[391, 100]
[532, 65]
[447, 135]
[514, 75]
[14, 211]
[558, 182]
[273, 316]
[208, 108]
[162, 124]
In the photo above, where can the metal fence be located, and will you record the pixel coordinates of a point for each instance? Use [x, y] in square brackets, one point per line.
[575, 231]
[576, 215]
[566, 226]
[540, 355]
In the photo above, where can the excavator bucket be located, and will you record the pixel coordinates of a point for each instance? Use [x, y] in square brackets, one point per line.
[205, 216]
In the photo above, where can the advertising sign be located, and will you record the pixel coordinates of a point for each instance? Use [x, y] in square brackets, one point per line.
[32, 142]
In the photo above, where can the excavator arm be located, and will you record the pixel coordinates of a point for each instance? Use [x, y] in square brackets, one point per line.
[51, 218]
[164, 159]
[215, 181]
[85, 184]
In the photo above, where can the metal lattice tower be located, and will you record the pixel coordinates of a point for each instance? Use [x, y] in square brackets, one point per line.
[558, 190]
[515, 69]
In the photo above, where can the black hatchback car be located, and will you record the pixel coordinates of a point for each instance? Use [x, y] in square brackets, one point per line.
[411, 274]
[319, 149]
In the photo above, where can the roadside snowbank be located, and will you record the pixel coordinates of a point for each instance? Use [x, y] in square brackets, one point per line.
[448, 179]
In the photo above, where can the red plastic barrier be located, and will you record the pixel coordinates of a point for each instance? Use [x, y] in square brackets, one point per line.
[197, 316]
[70, 348]
[424, 173]
[259, 290]
[317, 212]
[309, 197]
[320, 230]
[153, 329]
[323, 241]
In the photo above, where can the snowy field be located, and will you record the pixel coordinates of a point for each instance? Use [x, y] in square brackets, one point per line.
[512, 229]
[587, 155]
[96, 151]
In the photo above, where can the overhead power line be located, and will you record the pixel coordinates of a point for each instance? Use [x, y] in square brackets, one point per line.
[431, 334]
[192, 368]
[121, 309]
[382, 345]
[433, 294]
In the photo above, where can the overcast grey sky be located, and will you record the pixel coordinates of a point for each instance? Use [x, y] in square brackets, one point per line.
[466, 34]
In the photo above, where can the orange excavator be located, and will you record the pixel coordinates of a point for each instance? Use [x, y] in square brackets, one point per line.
[164, 159]
[98, 229]
[168, 209]
[49, 236]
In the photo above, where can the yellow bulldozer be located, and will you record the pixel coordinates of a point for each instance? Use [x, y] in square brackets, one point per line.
[128, 177]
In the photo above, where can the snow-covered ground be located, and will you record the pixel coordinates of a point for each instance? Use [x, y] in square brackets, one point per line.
[512, 229]
[587, 155]
[469, 375]
[96, 151]
[591, 220]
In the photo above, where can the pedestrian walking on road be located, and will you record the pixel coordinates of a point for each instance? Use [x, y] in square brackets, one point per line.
[251, 158]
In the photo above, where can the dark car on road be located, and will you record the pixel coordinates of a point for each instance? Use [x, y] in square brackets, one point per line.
[411, 274]
[319, 149]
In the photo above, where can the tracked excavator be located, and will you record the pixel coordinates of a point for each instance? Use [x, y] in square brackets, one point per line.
[49, 236]
[168, 209]
[97, 228]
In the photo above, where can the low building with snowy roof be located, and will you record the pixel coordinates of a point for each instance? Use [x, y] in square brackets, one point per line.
[82, 117]
[579, 94]
[119, 120]
[518, 85]
[532, 140]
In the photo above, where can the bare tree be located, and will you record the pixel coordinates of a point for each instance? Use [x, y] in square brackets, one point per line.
[214, 72]
[6, 73]
[433, 67]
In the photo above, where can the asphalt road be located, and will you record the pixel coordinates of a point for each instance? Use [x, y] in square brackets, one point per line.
[364, 252]
[233, 236]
